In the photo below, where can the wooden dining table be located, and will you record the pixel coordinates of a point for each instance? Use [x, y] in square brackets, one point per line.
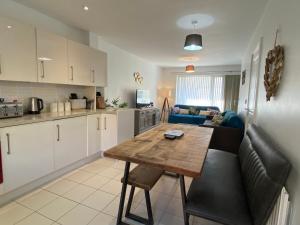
[183, 156]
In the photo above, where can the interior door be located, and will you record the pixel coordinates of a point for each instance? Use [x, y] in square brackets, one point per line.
[17, 51]
[52, 58]
[251, 109]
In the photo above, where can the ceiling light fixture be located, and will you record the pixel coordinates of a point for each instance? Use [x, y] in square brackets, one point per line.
[193, 42]
[85, 8]
[190, 69]
[9, 26]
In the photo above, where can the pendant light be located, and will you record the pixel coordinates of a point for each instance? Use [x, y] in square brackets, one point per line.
[193, 42]
[190, 69]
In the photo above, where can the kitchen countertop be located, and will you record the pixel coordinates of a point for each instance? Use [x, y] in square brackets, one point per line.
[29, 118]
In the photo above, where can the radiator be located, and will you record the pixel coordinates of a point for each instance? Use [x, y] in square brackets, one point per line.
[281, 211]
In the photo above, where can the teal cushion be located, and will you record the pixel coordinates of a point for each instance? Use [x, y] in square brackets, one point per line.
[231, 119]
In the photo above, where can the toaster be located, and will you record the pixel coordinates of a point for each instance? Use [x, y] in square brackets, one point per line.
[11, 109]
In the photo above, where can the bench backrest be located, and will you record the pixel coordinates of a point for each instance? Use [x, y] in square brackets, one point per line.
[264, 171]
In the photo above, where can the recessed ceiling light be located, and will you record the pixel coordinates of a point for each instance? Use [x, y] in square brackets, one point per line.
[9, 26]
[85, 8]
[189, 58]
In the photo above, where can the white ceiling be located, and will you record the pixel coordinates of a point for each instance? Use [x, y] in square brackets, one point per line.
[148, 28]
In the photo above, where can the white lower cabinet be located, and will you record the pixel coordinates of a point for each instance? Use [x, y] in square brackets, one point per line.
[27, 153]
[94, 134]
[109, 131]
[70, 141]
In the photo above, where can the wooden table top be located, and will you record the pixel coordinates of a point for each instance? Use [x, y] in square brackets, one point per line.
[183, 156]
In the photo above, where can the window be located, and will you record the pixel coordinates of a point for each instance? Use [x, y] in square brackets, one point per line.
[200, 90]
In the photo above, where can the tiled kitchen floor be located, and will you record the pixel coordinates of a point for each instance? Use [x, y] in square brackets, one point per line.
[90, 196]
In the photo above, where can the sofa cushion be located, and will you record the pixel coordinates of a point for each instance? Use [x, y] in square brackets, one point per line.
[264, 172]
[231, 119]
[218, 194]
[198, 108]
[188, 119]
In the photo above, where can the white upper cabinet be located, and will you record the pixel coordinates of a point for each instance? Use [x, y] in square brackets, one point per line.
[17, 51]
[98, 61]
[52, 56]
[79, 64]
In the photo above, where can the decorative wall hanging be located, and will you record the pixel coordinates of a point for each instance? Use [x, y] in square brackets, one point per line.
[138, 78]
[273, 69]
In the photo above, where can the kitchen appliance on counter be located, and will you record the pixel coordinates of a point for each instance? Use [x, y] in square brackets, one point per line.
[10, 109]
[36, 105]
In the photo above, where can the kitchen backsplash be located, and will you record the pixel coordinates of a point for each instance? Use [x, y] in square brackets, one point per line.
[48, 92]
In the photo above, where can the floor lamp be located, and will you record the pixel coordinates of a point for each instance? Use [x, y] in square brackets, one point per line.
[166, 107]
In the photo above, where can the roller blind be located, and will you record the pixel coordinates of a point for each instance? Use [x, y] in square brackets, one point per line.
[200, 90]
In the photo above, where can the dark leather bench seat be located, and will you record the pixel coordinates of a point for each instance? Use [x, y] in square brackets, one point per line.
[239, 189]
[219, 192]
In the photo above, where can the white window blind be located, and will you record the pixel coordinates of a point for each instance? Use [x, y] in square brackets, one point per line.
[200, 90]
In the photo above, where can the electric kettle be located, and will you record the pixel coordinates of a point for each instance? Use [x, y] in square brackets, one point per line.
[36, 105]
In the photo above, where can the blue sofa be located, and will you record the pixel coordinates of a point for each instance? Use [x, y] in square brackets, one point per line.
[190, 119]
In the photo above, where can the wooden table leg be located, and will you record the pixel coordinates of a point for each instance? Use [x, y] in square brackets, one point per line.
[123, 195]
[183, 197]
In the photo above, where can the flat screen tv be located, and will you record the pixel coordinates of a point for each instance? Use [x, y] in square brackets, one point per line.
[142, 98]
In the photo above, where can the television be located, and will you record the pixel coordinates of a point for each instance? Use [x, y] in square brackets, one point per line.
[142, 98]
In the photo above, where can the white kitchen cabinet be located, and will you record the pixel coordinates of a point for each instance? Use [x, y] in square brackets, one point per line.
[98, 61]
[70, 141]
[17, 51]
[27, 152]
[94, 134]
[109, 131]
[80, 72]
[52, 56]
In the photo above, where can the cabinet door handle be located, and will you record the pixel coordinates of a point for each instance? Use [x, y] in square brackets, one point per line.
[98, 120]
[104, 123]
[58, 132]
[72, 73]
[43, 69]
[8, 144]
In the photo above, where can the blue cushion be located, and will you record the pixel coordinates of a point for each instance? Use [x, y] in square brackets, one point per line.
[188, 119]
[231, 119]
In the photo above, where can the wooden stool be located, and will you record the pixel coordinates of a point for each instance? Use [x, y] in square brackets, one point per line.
[144, 177]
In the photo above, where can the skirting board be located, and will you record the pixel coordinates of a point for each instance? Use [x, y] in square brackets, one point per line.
[11, 196]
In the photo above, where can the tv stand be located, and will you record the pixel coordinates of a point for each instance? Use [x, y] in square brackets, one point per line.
[145, 119]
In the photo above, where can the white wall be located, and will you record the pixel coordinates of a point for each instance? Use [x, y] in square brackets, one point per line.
[280, 117]
[168, 77]
[121, 66]
[14, 10]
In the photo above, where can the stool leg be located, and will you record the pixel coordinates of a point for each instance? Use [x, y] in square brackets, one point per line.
[149, 208]
[130, 201]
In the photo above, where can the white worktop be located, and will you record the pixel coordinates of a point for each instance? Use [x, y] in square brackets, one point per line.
[29, 118]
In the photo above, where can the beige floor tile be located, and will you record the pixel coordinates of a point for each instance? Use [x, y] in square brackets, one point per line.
[38, 199]
[141, 210]
[120, 165]
[98, 200]
[35, 219]
[113, 187]
[61, 186]
[110, 172]
[158, 200]
[12, 213]
[168, 219]
[80, 215]
[200, 221]
[79, 176]
[96, 181]
[103, 219]
[105, 162]
[113, 207]
[79, 193]
[57, 208]
[175, 207]
[93, 168]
